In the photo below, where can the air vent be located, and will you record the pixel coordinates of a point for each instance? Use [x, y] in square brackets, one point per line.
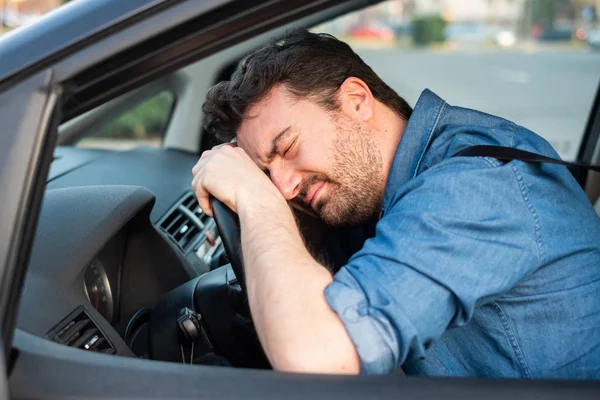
[191, 203]
[185, 221]
[79, 331]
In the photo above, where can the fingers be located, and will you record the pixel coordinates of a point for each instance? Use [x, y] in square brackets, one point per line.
[230, 144]
[215, 171]
[204, 202]
[196, 167]
[209, 153]
[197, 171]
[202, 194]
[199, 184]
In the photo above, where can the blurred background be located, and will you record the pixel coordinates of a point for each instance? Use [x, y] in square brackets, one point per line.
[536, 62]
[461, 24]
[16, 13]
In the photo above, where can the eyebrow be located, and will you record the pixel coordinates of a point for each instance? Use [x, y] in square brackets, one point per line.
[275, 145]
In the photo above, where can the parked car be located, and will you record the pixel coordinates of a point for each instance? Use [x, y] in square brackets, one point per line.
[593, 39]
[106, 261]
[372, 31]
[559, 33]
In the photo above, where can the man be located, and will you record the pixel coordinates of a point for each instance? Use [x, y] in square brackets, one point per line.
[475, 266]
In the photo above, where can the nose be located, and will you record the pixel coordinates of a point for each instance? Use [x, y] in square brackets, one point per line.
[286, 179]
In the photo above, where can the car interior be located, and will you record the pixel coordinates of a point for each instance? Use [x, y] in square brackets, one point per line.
[124, 262]
[122, 250]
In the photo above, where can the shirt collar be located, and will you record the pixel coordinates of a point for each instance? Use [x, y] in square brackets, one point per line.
[414, 142]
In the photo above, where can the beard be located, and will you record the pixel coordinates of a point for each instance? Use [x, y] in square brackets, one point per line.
[355, 183]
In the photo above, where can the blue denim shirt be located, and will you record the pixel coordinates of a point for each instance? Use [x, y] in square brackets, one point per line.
[477, 267]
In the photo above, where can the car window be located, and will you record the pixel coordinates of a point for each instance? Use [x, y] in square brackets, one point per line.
[535, 62]
[143, 125]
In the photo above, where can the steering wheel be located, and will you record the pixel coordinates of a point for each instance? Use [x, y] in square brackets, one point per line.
[228, 224]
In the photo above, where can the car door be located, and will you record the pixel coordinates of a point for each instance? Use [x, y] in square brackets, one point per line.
[31, 105]
[3, 381]
[589, 153]
[27, 109]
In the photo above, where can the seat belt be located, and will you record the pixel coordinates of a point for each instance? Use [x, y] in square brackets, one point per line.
[508, 154]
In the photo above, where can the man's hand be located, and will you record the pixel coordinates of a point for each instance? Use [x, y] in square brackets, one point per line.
[296, 327]
[229, 174]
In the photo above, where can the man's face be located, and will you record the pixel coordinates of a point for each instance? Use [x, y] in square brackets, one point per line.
[325, 163]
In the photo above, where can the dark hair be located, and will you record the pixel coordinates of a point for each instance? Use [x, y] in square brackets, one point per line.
[310, 65]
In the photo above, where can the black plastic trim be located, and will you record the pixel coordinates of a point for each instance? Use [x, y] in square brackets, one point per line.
[46, 370]
[14, 275]
[590, 138]
[127, 19]
[592, 132]
[181, 46]
[72, 316]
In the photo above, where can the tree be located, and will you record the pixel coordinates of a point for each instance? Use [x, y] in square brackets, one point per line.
[544, 12]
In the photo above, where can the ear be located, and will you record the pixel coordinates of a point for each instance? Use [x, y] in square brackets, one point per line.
[356, 98]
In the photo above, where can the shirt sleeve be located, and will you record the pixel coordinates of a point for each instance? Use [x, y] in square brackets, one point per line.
[457, 236]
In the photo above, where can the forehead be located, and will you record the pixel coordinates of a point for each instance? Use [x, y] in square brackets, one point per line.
[265, 120]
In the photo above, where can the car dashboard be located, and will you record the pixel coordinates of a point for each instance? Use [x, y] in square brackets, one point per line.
[117, 231]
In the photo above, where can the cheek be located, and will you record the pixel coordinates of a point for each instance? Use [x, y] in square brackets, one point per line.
[318, 146]
[313, 157]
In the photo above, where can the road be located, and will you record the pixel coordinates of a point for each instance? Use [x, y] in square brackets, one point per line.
[549, 92]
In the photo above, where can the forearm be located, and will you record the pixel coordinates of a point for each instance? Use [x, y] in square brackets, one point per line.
[295, 324]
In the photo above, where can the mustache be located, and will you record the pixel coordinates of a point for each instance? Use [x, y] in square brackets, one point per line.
[309, 183]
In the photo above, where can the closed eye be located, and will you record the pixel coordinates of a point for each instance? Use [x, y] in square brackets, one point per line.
[291, 145]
